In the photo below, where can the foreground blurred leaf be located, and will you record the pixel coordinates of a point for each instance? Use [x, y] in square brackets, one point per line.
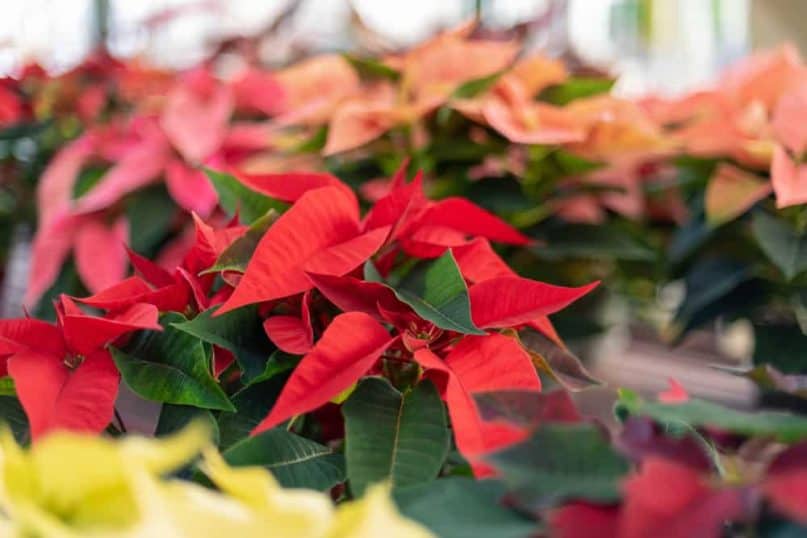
[295, 461]
[558, 462]
[463, 507]
[784, 427]
[394, 437]
[174, 418]
[171, 367]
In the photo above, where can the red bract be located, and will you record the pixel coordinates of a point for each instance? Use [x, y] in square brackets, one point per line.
[196, 115]
[292, 334]
[64, 376]
[349, 347]
[319, 234]
[289, 187]
[172, 290]
[511, 300]
[479, 364]
[786, 483]
[675, 501]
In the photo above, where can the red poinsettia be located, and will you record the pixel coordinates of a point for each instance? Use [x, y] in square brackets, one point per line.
[320, 242]
[64, 376]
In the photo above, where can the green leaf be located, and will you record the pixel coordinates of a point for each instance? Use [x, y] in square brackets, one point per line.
[472, 88]
[235, 197]
[7, 387]
[237, 255]
[438, 294]
[150, 213]
[252, 404]
[394, 437]
[170, 367]
[239, 331]
[593, 242]
[279, 362]
[561, 461]
[174, 418]
[87, 179]
[784, 427]
[783, 346]
[295, 461]
[576, 88]
[460, 507]
[26, 129]
[372, 68]
[708, 283]
[13, 415]
[785, 247]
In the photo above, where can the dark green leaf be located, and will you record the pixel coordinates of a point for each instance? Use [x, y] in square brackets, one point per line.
[389, 436]
[295, 461]
[13, 415]
[561, 461]
[150, 213]
[593, 241]
[174, 418]
[279, 362]
[239, 331]
[237, 255]
[170, 367]
[576, 88]
[235, 197]
[785, 247]
[252, 404]
[784, 427]
[783, 346]
[437, 292]
[707, 282]
[21, 130]
[87, 179]
[462, 507]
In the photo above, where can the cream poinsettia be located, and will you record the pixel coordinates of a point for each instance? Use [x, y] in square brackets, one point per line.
[70, 485]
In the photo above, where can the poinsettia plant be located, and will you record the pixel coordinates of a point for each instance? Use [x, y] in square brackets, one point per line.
[341, 348]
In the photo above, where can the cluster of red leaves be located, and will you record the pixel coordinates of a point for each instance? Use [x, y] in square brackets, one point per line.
[316, 249]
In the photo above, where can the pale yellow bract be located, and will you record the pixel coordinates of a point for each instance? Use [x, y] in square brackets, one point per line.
[70, 485]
